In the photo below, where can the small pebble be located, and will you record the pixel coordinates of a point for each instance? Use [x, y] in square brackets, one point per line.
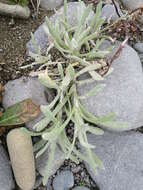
[64, 180]
[76, 169]
[139, 47]
[22, 158]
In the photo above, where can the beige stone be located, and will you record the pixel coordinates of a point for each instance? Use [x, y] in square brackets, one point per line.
[22, 158]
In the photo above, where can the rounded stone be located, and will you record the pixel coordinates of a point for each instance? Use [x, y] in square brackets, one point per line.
[139, 47]
[132, 4]
[22, 158]
[50, 4]
[64, 180]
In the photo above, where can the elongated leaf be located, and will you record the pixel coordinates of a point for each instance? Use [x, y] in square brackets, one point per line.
[52, 104]
[61, 70]
[91, 67]
[90, 158]
[73, 143]
[98, 161]
[116, 125]
[94, 130]
[42, 150]
[83, 34]
[83, 142]
[56, 36]
[54, 134]
[93, 92]
[47, 81]
[108, 117]
[93, 119]
[48, 113]
[39, 59]
[30, 133]
[65, 82]
[96, 76]
[82, 20]
[65, 10]
[34, 43]
[20, 113]
[44, 122]
[48, 168]
[39, 145]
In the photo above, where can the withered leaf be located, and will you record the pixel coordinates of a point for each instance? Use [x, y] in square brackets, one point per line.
[20, 113]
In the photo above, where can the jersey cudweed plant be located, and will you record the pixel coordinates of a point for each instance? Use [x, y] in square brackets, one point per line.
[79, 48]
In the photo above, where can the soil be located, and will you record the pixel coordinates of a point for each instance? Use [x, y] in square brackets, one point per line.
[14, 34]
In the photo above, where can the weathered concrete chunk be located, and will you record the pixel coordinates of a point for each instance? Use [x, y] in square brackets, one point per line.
[122, 156]
[6, 178]
[22, 158]
[123, 91]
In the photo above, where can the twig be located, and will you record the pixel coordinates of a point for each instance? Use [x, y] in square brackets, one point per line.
[115, 56]
[117, 53]
[135, 10]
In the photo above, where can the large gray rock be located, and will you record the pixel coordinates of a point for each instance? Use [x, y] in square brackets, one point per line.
[123, 91]
[41, 161]
[132, 4]
[63, 181]
[6, 178]
[41, 38]
[122, 156]
[21, 89]
[50, 4]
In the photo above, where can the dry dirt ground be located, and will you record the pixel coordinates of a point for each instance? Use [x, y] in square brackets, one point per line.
[14, 34]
